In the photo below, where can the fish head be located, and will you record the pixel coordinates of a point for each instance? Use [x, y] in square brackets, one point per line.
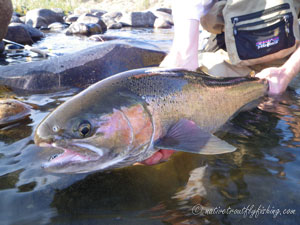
[94, 131]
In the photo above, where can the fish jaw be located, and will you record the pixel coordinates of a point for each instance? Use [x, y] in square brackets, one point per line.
[76, 158]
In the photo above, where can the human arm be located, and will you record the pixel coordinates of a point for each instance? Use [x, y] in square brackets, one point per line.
[280, 77]
[184, 50]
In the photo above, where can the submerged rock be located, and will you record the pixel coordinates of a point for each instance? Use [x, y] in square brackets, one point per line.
[81, 68]
[12, 110]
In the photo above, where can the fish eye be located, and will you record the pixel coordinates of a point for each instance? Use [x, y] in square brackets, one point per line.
[84, 129]
[55, 128]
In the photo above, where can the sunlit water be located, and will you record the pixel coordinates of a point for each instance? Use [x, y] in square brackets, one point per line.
[262, 175]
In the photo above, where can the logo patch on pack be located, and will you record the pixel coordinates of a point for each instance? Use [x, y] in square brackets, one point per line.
[267, 43]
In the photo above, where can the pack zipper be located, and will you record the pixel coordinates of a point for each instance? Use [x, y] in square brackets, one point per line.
[261, 13]
[284, 18]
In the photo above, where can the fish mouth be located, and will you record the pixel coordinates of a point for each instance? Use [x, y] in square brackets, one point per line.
[77, 153]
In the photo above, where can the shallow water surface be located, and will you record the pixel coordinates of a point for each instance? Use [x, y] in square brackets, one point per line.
[257, 184]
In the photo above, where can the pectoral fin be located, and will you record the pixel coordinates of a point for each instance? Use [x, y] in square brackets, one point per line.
[186, 136]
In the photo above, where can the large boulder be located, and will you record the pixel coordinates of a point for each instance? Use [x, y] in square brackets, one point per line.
[23, 33]
[81, 68]
[138, 19]
[43, 17]
[6, 11]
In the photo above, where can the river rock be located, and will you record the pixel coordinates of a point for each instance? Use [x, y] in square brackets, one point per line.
[82, 10]
[13, 48]
[23, 19]
[92, 19]
[57, 26]
[84, 29]
[164, 20]
[104, 38]
[110, 23]
[161, 23]
[165, 10]
[15, 19]
[71, 18]
[6, 11]
[19, 34]
[81, 68]
[2, 46]
[23, 33]
[42, 17]
[98, 13]
[12, 110]
[111, 20]
[59, 11]
[16, 14]
[113, 15]
[138, 19]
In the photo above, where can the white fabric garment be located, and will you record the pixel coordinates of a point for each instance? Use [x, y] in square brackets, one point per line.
[186, 15]
[190, 9]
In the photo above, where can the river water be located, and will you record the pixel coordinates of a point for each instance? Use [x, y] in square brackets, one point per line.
[257, 184]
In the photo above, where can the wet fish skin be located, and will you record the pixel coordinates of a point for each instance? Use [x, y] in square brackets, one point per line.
[131, 114]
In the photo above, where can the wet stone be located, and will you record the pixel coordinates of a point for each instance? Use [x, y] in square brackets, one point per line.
[57, 26]
[12, 110]
[84, 29]
[71, 19]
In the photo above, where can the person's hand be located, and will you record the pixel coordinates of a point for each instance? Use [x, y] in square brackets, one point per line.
[160, 156]
[278, 79]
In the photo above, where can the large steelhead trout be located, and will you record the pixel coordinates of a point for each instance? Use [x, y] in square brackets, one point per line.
[127, 117]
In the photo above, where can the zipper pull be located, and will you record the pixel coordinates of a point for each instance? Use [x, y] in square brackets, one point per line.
[286, 20]
[235, 21]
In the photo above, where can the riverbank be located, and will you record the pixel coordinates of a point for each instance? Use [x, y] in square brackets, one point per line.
[22, 6]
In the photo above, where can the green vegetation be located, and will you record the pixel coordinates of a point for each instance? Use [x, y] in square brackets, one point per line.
[22, 6]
